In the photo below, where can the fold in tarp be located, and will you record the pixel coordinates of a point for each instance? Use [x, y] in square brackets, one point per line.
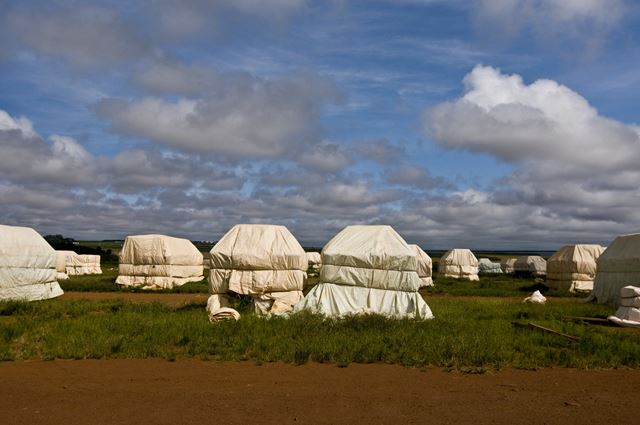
[367, 270]
[264, 261]
[459, 264]
[573, 267]
[27, 265]
[531, 264]
[425, 266]
[159, 262]
[618, 266]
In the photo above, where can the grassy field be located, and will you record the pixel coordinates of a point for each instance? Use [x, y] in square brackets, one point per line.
[495, 286]
[473, 330]
[492, 286]
[105, 282]
[468, 334]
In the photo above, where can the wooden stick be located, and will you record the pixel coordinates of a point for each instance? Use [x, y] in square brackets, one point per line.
[545, 330]
[590, 320]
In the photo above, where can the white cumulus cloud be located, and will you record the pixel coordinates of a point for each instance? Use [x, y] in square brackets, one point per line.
[543, 121]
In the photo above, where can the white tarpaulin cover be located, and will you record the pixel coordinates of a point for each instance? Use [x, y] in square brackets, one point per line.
[261, 260]
[158, 262]
[459, 264]
[533, 264]
[507, 265]
[61, 263]
[487, 266]
[314, 259]
[365, 270]
[425, 266]
[573, 267]
[618, 266]
[218, 309]
[628, 314]
[81, 264]
[27, 265]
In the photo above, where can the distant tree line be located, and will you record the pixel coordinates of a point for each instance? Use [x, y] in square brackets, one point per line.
[59, 242]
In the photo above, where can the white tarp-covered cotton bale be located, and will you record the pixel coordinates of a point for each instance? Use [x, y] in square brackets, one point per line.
[314, 259]
[425, 266]
[628, 314]
[158, 262]
[507, 265]
[81, 264]
[530, 264]
[573, 267]
[261, 260]
[459, 264]
[27, 265]
[61, 263]
[618, 266]
[367, 270]
[485, 265]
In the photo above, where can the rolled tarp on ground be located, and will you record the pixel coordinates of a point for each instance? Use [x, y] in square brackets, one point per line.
[367, 270]
[27, 265]
[459, 264]
[486, 266]
[617, 266]
[261, 260]
[508, 265]
[531, 265]
[158, 262]
[573, 267]
[425, 266]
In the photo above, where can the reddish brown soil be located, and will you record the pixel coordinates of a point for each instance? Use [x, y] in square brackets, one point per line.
[171, 299]
[197, 392]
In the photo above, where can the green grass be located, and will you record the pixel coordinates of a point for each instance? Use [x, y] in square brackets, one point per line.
[467, 334]
[106, 282]
[494, 286]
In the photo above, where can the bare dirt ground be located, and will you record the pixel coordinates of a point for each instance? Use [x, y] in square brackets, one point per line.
[198, 392]
[170, 299]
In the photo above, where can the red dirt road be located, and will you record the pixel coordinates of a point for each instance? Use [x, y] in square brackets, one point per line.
[140, 297]
[198, 392]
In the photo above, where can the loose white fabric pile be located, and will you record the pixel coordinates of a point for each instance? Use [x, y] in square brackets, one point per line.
[628, 314]
[536, 298]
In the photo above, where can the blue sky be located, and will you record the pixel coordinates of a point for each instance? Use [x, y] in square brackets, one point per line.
[484, 124]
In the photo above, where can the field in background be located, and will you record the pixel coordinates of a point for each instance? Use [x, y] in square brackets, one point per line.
[468, 334]
[490, 286]
[116, 245]
[473, 330]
